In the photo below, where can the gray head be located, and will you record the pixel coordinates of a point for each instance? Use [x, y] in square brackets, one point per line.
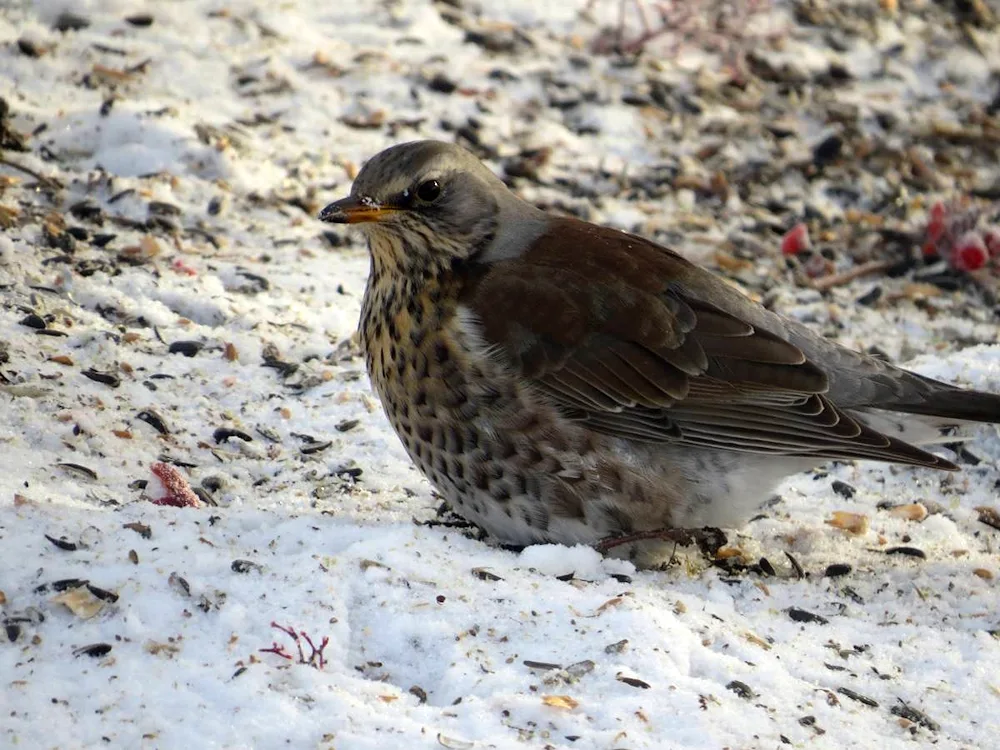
[427, 201]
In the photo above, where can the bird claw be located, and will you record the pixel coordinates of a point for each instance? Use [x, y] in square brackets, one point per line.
[709, 539]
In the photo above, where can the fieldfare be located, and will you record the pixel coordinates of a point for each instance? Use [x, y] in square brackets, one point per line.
[559, 381]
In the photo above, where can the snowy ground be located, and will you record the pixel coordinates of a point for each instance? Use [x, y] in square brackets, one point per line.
[206, 141]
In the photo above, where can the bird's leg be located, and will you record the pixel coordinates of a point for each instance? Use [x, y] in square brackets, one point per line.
[709, 539]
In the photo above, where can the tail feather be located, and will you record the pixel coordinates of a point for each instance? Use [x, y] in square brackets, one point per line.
[915, 429]
[950, 403]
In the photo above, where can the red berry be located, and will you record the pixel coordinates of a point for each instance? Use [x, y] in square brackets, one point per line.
[170, 487]
[969, 253]
[183, 268]
[937, 222]
[796, 240]
[991, 236]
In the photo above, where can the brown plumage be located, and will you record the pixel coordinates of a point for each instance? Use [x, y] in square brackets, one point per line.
[561, 381]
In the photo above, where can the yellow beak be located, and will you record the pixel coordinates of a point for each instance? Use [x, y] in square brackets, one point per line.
[352, 210]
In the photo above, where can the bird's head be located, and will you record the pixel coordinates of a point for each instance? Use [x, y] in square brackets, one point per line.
[429, 202]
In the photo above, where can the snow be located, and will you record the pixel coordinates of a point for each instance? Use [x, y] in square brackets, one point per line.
[435, 639]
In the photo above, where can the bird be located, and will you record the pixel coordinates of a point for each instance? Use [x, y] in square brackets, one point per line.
[563, 382]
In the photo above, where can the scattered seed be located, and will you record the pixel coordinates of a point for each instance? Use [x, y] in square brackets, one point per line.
[852, 523]
[187, 348]
[347, 425]
[216, 205]
[141, 20]
[223, 434]
[530, 664]
[161, 208]
[205, 496]
[742, 690]
[268, 434]
[454, 744]
[140, 528]
[560, 701]
[483, 574]
[843, 489]
[94, 649]
[827, 150]
[13, 630]
[855, 696]
[318, 447]
[801, 615]
[107, 378]
[246, 566]
[908, 712]
[180, 584]
[213, 483]
[28, 48]
[800, 573]
[617, 647]
[911, 512]
[988, 515]
[87, 210]
[133, 557]
[419, 692]
[836, 570]
[31, 320]
[442, 84]
[906, 551]
[285, 369]
[633, 681]
[176, 462]
[257, 283]
[63, 584]
[81, 471]
[29, 615]
[62, 543]
[871, 296]
[153, 419]
[67, 21]
[102, 594]
[571, 674]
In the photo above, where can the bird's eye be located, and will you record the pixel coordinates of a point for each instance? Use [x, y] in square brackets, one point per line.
[429, 191]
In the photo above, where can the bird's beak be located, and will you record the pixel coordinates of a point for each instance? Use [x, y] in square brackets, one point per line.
[354, 210]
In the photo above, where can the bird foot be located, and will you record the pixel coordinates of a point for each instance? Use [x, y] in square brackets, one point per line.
[708, 539]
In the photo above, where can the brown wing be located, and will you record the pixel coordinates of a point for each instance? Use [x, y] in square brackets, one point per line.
[599, 322]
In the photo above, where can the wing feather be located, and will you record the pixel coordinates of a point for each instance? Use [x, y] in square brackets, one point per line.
[616, 332]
